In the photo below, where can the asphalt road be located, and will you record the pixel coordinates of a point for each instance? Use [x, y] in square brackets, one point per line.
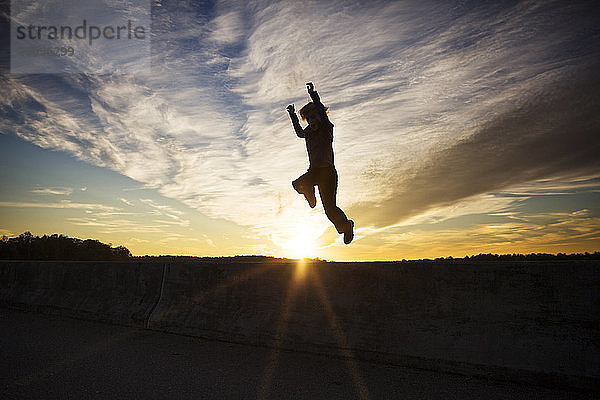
[51, 357]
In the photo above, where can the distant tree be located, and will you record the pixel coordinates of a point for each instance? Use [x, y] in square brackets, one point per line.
[122, 252]
[531, 257]
[59, 247]
[519, 257]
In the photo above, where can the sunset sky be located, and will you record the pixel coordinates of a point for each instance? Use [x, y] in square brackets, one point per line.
[461, 127]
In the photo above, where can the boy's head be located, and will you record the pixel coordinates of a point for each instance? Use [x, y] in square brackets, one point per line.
[309, 111]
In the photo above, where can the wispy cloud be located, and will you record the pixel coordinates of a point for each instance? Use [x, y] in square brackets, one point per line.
[433, 104]
[125, 201]
[136, 240]
[53, 191]
[109, 225]
[226, 28]
[523, 233]
[175, 216]
[553, 187]
[553, 136]
[62, 204]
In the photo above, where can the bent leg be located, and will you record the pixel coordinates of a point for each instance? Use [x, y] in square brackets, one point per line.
[303, 182]
[305, 185]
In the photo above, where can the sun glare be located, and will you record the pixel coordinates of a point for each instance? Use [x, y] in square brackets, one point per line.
[302, 246]
[302, 240]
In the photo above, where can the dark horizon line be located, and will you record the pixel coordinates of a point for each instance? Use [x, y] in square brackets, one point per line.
[478, 257]
[59, 247]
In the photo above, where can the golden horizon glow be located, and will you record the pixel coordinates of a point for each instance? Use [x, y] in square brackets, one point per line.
[303, 243]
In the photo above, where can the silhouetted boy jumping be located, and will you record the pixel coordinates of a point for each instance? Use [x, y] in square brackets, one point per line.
[321, 171]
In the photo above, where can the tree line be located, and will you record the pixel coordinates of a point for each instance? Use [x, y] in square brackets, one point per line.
[59, 247]
[523, 257]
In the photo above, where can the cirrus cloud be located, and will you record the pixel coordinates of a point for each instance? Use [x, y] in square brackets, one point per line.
[432, 104]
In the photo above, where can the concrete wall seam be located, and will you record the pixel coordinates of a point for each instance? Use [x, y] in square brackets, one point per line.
[160, 296]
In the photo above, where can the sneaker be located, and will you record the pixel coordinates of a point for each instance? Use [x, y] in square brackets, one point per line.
[349, 232]
[311, 198]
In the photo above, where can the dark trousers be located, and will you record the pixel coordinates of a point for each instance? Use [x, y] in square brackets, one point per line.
[326, 179]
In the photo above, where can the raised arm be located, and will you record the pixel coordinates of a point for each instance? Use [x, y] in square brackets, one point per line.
[313, 94]
[295, 121]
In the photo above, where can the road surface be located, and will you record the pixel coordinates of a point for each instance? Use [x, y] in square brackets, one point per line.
[52, 357]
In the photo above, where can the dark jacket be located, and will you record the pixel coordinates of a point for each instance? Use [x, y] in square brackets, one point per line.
[318, 136]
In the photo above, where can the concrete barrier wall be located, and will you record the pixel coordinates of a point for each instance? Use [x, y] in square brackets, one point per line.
[120, 293]
[532, 321]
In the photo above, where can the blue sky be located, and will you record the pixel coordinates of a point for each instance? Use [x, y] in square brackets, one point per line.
[460, 127]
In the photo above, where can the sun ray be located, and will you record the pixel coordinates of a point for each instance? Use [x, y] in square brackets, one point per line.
[281, 329]
[340, 337]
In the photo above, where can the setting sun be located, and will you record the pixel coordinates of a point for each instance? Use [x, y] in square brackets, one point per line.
[302, 240]
[301, 247]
